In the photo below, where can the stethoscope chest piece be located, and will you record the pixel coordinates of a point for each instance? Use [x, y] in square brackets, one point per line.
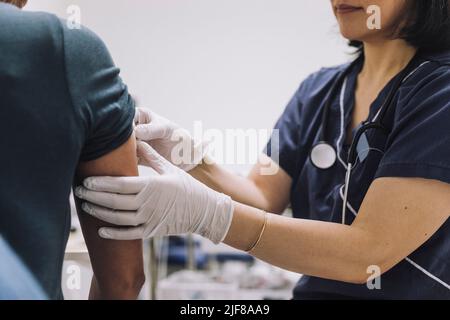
[323, 156]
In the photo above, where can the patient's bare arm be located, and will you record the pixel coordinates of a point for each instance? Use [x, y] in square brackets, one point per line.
[117, 265]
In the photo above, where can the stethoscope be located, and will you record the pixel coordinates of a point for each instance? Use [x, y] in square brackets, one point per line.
[323, 154]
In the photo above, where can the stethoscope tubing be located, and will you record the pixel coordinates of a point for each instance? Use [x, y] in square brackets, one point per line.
[375, 124]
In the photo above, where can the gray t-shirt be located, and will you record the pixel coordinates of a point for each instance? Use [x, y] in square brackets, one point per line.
[61, 102]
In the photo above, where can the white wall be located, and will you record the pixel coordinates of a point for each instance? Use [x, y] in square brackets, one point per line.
[230, 63]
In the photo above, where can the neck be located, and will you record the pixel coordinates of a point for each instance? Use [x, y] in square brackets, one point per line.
[382, 61]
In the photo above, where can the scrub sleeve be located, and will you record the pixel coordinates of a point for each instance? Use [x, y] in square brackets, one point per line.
[419, 145]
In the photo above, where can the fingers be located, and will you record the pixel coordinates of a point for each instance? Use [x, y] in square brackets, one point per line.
[142, 116]
[147, 171]
[150, 131]
[121, 218]
[146, 126]
[109, 200]
[122, 233]
[148, 156]
[123, 185]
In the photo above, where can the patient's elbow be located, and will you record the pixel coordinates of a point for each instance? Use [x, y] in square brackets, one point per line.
[122, 288]
[131, 288]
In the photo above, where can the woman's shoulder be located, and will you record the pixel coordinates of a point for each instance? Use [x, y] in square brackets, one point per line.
[427, 89]
[327, 73]
[321, 80]
[442, 58]
[434, 72]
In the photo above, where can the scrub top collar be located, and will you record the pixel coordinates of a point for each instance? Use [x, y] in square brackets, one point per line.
[442, 58]
[346, 105]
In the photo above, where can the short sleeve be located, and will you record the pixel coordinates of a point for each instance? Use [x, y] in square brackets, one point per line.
[283, 145]
[100, 98]
[419, 146]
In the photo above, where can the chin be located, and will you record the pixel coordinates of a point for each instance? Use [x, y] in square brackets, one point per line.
[354, 28]
[356, 33]
[353, 36]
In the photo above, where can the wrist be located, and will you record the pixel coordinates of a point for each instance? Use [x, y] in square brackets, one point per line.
[217, 218]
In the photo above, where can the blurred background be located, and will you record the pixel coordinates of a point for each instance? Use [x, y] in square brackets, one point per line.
[229, 63]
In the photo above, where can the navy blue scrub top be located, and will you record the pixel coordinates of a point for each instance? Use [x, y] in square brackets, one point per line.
[417, 145]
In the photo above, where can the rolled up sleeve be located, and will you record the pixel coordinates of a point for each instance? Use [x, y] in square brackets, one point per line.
[100, 98]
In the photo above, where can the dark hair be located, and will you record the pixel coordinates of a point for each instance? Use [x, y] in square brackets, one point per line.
[427, 26]
[18, 3]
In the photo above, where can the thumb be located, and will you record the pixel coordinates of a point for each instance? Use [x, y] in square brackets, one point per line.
[142, 116]
[150, 131]
[149, 157]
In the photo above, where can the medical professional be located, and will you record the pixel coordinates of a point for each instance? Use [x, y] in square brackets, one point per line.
[363, 158]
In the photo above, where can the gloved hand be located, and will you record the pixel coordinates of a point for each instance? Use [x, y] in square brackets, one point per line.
[169, 140]
[168, 202]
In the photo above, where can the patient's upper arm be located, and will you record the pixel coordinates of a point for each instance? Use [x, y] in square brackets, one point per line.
[117, 265]
[104, 111]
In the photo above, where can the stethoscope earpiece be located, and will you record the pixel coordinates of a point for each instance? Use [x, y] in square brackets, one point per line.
[323, 156]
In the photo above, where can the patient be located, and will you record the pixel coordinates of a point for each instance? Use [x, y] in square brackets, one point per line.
[65, 114]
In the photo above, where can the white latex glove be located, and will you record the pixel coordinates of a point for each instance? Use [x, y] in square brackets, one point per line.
[168, 202]
[169, 140]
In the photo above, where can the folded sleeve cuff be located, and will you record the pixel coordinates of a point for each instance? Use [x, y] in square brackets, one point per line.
[115, 129]
[408, 170]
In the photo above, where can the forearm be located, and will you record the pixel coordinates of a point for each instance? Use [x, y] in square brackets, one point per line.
[321, 249]
[241, 189]
[397, 216]
[117, 265]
